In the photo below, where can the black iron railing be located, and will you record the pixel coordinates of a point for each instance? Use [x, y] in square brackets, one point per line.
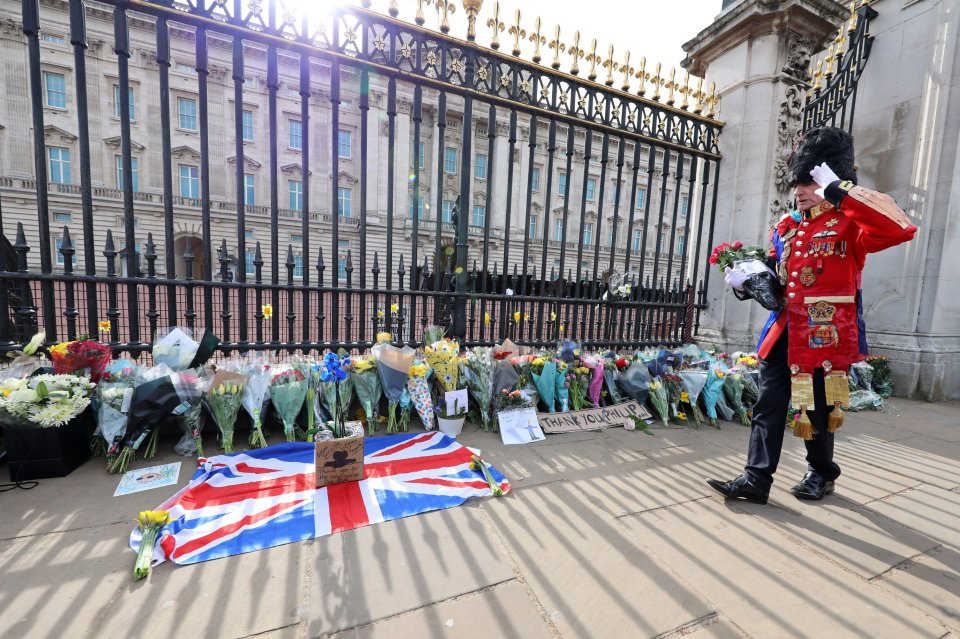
[832, 97]
[562, 155]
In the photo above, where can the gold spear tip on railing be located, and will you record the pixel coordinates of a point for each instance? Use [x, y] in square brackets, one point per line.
[518, 34]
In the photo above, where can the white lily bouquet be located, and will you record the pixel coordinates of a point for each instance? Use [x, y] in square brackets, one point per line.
[44, 401]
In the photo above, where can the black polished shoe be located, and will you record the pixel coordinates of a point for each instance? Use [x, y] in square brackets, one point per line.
[740, 488]
[812, 487]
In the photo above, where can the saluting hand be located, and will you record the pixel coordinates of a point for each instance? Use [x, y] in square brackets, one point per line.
[824, 176]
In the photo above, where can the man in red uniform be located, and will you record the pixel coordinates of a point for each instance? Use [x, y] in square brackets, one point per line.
[818, 252]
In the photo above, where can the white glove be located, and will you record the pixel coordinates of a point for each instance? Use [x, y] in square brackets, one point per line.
[824, 176]
[735, 278]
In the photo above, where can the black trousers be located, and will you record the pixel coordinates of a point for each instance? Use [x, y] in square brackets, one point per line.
[770, 417]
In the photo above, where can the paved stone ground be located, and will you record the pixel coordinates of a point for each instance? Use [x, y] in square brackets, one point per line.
[610, 534]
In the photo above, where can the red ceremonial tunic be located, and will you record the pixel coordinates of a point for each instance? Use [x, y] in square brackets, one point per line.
[820, 260]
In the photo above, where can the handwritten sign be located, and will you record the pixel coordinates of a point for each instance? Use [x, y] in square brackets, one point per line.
[593, 418]
[519, 426]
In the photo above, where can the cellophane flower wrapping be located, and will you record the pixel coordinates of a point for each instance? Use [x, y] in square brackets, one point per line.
[406, 405]
[561, 387]
[713, 392]
[751, 391]
[175, 347]
[578, 377]
[288, 391]
[733, 389]
[393, 366]
[153, 402]
[255, 395]
[635, 381]
[443, 358]
[659, 401]
[114, 396]
[44, 401]
[544, 372]
[505, 378]
[418, 387]
[693, 382]
[595, 383]
[366, 383]
[479, 375]
[224, 400]
[611, 375]
[191, 386]
[525, 380]
[674, 385]
[335, 371]
[85, 357]
[336, 388]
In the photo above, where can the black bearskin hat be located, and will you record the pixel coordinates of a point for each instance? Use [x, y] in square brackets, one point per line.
[825, 144]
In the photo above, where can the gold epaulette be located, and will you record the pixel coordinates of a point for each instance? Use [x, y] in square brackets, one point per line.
[879, 202]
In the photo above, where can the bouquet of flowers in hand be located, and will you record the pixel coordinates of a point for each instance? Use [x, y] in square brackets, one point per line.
[673, 383]
[762, 284]
[733, 389]
[224, 400]
[659, 401]
[479, 374]
[288, 390]
[544, 372]
[418, 387]
[81, 358]
[254, 395]
[393, 366]
[44, 401]
[366, 381]
[191, 385]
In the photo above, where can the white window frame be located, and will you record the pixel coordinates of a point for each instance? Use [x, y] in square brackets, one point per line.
[181, 115]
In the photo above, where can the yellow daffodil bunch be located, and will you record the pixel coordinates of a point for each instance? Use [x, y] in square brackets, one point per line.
[150, 523]
[363, 365]
[60, 349]
[418, 370]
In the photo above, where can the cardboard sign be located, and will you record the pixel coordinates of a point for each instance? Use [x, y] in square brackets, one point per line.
[339, 460]
[593, 418]
[520, 426]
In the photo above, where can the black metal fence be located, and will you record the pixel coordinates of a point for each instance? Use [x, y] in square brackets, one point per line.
[832, 97]
[511, 247]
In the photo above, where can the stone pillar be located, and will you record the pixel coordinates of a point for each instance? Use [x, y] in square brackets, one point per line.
[757, 53]
[906, 130]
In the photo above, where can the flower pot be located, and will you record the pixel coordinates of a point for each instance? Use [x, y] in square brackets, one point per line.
[39, 453]
[339, 460]
[451, 426]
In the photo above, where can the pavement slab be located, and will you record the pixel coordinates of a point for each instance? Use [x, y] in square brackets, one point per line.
[363, 575]
[588, 574]
[918, 458]
[854, 536]
[502, 612]
[931, 582]
[764, 583]
[931, 510]
[56, 504]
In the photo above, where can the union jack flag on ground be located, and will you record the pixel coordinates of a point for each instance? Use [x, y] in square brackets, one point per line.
[267, 497]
